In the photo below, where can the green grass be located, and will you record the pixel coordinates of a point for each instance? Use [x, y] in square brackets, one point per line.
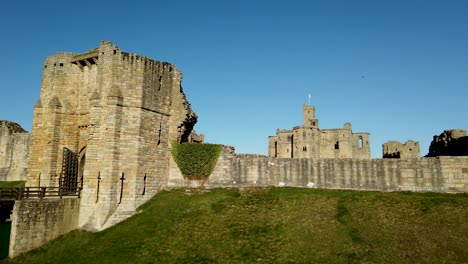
[12, 183]
[276, 225]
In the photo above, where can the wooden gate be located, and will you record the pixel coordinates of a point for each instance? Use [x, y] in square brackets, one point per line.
[69, 178]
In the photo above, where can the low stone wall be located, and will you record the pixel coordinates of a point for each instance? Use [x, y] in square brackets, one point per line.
[442, 174]
[36, 222]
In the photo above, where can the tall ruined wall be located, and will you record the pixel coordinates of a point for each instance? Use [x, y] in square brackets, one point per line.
[360, 145]
[453, 142]
[36, 222]
[118, 112]
[336, 143]
[395, 149]
[14, 150]
[426, 174]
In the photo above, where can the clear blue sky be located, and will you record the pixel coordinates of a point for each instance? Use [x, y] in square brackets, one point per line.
[396, 69]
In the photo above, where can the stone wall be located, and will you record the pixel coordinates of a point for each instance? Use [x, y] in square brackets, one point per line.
[443, 174]
[14, 150]
[35, 222]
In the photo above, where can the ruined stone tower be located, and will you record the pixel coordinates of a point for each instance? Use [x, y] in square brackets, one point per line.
[115, 114]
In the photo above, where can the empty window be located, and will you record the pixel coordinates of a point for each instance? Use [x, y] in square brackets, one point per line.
[337, 145]
[61, 64]
[360, 142]
[313, 123]
[304, 149]
[160, 82]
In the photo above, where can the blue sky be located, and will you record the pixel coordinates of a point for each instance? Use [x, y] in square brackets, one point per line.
[396, 69]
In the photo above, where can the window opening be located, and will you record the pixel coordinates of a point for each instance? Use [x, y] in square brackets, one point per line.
[276, 149]
[337, 145]
[360, 142]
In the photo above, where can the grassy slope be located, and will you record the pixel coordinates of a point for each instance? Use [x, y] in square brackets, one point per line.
[276, 225]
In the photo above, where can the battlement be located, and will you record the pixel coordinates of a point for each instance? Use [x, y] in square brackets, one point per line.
[88, 58]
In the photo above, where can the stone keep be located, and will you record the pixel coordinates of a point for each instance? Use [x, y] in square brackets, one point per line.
[309, 141]
[118, 112]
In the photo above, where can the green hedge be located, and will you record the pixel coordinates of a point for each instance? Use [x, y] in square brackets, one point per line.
[196, 161]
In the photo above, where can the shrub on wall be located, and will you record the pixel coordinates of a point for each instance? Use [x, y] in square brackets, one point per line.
[196, 161]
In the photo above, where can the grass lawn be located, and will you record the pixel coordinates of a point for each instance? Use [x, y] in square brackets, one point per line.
[12, 183]
[276, 225]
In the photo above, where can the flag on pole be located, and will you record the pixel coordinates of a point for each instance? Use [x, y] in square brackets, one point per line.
[309, 97]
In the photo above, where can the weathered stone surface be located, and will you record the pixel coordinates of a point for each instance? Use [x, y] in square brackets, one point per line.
[12, 127]
[35, 222]
[309, 141]
[14, 150]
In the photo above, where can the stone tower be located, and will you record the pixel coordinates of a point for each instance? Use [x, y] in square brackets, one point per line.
[308, 116]
[114, 113]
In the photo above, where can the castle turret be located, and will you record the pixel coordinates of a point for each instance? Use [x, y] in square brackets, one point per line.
[308, 114]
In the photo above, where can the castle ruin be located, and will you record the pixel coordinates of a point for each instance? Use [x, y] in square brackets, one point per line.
[309, 141]
[104, 122]
[397, 150]
[452, 142]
